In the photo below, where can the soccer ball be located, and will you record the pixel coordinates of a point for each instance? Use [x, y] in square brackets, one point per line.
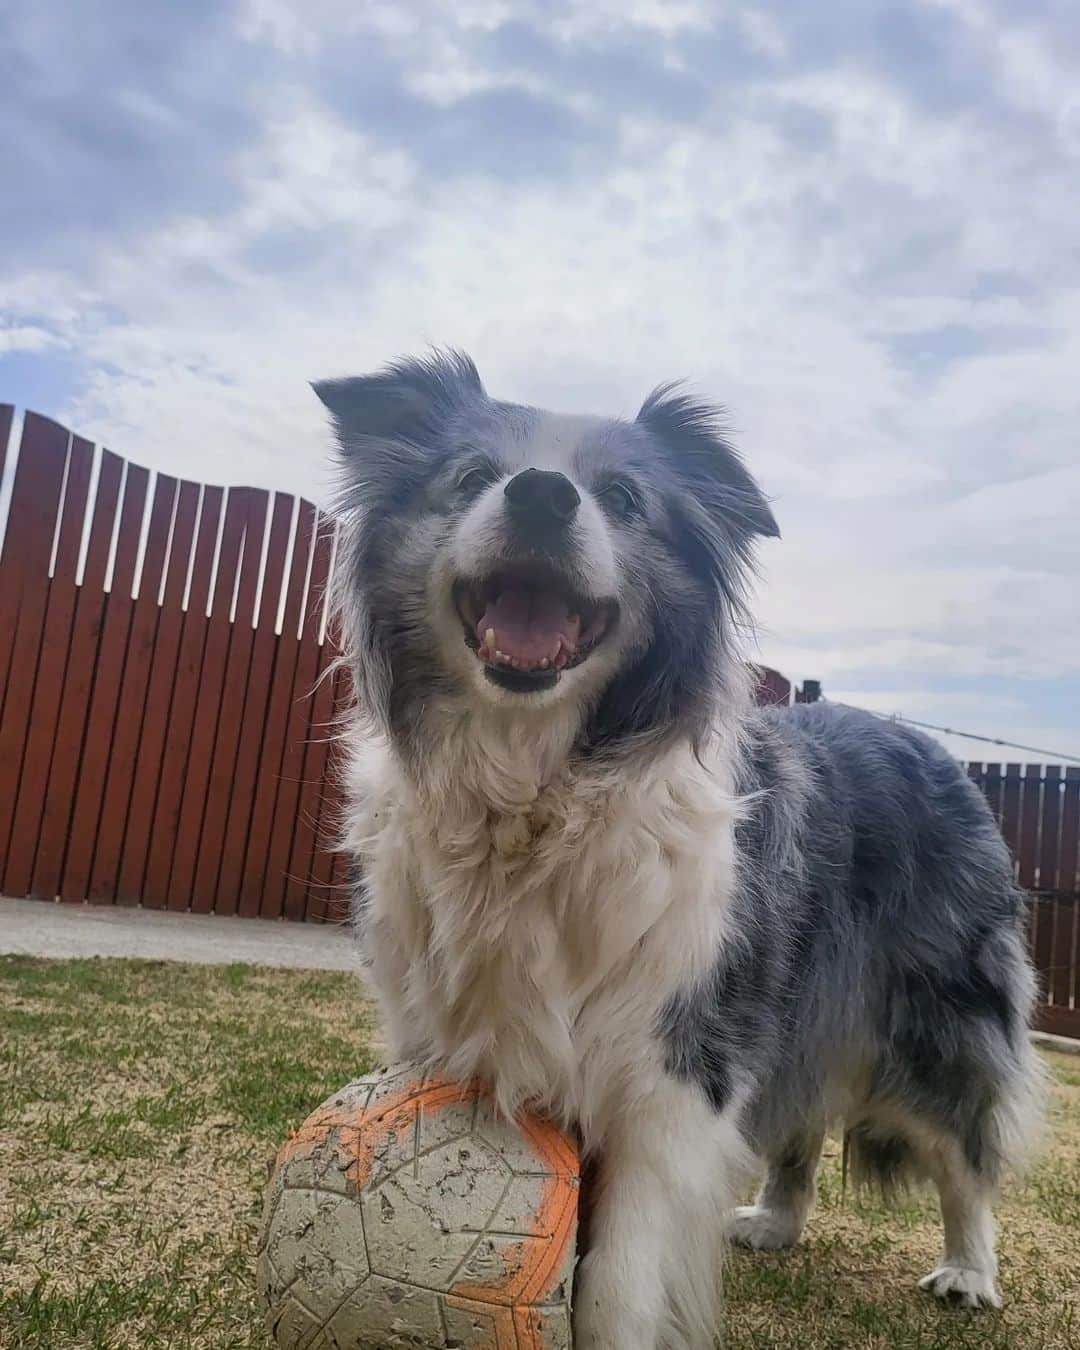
[405, 1212]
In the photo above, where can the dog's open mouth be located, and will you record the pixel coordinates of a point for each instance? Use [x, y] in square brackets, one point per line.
[529, 626]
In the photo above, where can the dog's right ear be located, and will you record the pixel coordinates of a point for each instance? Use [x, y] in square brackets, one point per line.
[403, 404]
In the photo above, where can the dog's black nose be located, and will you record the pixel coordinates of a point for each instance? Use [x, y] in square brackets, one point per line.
[540, 497]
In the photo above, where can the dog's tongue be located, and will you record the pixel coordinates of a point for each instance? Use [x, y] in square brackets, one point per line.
[529, 625]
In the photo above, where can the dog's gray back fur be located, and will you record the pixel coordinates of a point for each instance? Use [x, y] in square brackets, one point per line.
[880, 957]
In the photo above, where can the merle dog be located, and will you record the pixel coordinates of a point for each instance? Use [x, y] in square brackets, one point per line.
[593, 872]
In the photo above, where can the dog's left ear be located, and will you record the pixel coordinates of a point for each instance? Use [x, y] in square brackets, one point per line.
[693, 435]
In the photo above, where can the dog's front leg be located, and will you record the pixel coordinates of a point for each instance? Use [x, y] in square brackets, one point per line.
[650, 1279]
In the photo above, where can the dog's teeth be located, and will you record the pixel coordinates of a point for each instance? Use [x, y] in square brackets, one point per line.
[489, 639]
[544, 663]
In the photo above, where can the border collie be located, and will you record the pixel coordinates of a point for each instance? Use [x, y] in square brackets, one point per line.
[593, 872]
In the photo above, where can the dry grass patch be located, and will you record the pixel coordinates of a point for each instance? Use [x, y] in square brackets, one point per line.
[851, 1283]
[140, 1104]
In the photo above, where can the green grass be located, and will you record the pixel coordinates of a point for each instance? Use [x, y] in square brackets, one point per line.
[141, 1104]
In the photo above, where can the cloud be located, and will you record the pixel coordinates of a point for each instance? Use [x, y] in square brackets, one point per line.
[114, 123]
[26, 338]
[852, 226]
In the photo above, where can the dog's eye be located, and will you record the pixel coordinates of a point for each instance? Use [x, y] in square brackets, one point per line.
[619, 501]
[473, 481]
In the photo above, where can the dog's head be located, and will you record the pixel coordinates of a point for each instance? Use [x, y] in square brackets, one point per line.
[497, 557]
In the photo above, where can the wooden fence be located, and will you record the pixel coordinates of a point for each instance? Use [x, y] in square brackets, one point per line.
[167, 700]
[159, 644]
[1038, 810]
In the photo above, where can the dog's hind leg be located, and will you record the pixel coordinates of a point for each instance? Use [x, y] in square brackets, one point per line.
[966, 1092]
[969, 1267]
[777, 1216]
[892, 1147]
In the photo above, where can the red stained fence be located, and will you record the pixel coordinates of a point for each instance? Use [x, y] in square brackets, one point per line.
[1038, 809]
[166, 705]
[160, 640]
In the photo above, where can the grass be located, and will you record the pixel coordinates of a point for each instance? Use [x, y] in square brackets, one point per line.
[140, 1104]
[851, 1282]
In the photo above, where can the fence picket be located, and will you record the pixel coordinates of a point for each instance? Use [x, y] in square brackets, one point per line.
[301, 712]
[992, 788]
[10, 567]
[7, 417]
[35, 505]
[205, 689]
[82, 657]
[181, 709]
[1068, 862]
[253, 729]
[1049, 826]
[116, 800]
[227, 708]
[28, 799]
[1060, 980]
[160, 680]
[1010, 807]
[104, 700]
[306, 879]
[1027, 855]
[1043, 940]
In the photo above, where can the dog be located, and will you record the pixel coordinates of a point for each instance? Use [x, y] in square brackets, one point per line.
[592, 872]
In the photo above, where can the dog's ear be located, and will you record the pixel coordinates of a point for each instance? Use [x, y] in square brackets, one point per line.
[403, 404]
[693, 435]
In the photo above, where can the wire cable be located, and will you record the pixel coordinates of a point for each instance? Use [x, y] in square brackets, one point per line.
[1054, 756]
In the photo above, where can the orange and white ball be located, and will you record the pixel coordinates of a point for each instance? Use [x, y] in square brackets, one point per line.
[406, 1213]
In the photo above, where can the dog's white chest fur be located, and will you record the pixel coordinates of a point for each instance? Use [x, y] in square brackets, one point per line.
[530, 929]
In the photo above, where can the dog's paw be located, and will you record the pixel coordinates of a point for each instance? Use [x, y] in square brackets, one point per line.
[959, 1284]
[763, 1228]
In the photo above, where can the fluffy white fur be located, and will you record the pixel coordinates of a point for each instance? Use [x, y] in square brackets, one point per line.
[530, 928]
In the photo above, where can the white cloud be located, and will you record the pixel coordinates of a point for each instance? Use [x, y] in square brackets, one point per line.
[575, 19]
[773, 247]
[27, 338]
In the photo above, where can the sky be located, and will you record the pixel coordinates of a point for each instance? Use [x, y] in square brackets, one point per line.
[854, 224]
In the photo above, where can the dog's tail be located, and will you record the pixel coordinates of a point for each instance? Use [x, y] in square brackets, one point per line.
[999, 1135]
[886, 1163]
